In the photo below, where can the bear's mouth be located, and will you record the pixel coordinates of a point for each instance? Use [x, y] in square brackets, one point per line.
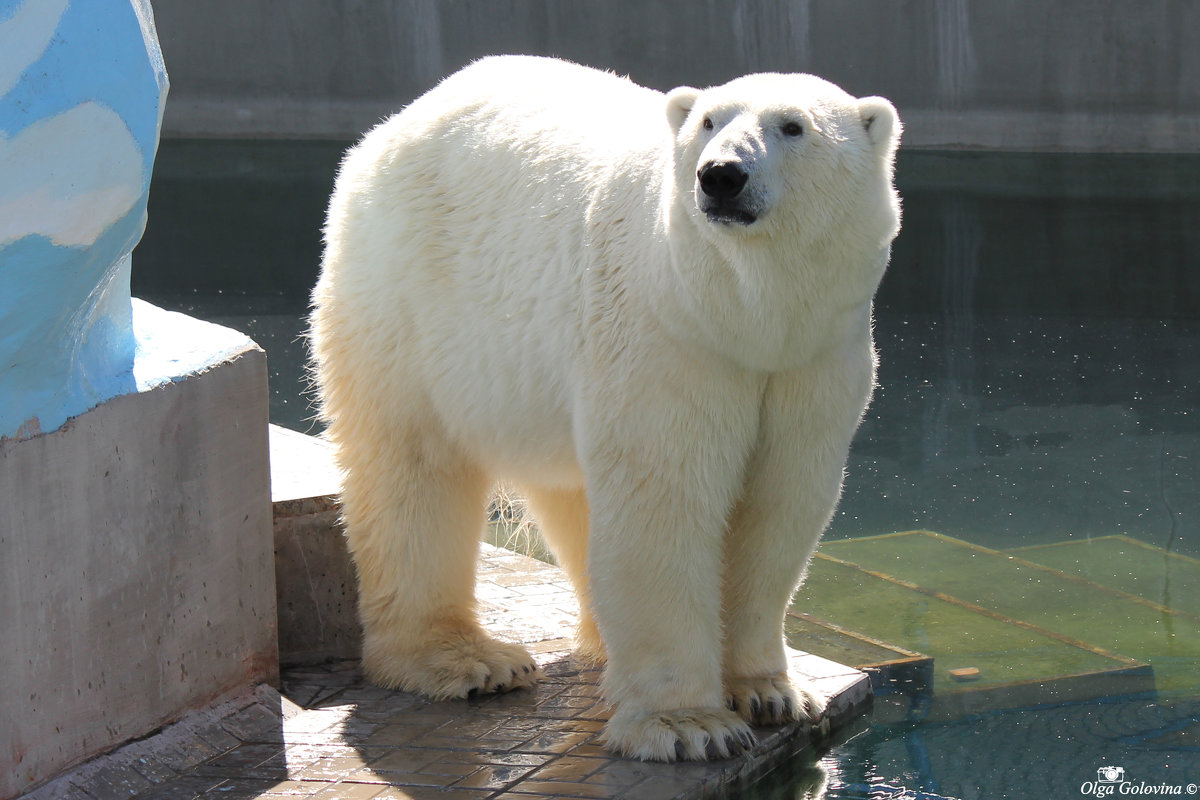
[730, 216]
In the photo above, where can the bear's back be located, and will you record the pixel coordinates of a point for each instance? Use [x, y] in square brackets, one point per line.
[457, 219]
[527, 101]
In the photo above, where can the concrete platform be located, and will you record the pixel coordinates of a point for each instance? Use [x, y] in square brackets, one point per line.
[316, 590]
[332, 735]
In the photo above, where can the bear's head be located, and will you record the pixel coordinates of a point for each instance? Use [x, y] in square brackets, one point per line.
[785, 154]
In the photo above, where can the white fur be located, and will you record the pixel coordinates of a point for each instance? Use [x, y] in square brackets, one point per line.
[519, 283]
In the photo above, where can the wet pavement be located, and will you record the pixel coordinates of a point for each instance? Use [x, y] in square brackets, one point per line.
[330, 734]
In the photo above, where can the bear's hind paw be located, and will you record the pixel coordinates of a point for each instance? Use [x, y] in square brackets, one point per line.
[686, 734]
[453, 667]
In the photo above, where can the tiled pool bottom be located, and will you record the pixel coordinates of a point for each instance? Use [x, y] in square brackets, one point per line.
[1054, 698]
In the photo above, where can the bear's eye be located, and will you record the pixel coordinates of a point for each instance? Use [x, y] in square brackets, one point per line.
[708, 126]
[792, 129]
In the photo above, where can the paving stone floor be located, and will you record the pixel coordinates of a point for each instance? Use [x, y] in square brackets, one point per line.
[329, 734]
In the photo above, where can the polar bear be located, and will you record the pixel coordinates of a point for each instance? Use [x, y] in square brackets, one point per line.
[652, 314]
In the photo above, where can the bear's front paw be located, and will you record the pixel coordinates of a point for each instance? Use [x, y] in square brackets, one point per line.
[449, 661]
[772, 700]
[684, 734]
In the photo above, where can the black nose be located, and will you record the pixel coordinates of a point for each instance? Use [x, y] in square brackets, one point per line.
[721, 181]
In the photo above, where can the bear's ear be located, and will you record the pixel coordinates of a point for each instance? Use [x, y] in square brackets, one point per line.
[881, 123]
[679, 105]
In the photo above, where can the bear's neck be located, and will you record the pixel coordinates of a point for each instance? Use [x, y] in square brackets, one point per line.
[766, 304]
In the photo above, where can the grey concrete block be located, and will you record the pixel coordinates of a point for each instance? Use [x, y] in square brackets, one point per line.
[136, 574]
[315, 583]
[316, 588]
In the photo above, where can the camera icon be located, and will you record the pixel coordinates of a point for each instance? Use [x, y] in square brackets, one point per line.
[1110, 775]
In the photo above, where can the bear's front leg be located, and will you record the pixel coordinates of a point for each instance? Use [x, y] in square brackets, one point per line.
[793, 482]
[662, 474]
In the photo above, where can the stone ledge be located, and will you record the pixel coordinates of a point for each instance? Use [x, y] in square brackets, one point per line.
[333, 735]
[316, 589]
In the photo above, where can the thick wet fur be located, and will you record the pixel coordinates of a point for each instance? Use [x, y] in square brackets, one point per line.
[652, 314]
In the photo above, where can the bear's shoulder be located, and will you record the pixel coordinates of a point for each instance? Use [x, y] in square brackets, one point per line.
[542, 99]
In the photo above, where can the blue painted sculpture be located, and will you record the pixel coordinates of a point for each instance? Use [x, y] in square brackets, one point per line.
[82, 88]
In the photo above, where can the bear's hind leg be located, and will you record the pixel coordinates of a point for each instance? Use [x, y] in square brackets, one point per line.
[562, 518]
[414, 511]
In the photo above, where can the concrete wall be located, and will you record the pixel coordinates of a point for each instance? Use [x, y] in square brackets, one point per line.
[136, 570]
[1095, 75]
[316, 589]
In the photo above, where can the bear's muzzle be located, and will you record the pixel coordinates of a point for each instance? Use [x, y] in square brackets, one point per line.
[721, 185]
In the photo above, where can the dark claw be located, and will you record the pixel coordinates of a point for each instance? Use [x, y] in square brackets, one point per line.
[773, 710]
[679, 754]
[527, 669]
[731, 703]
[747, 739]
[733, 745]
[755, 706]
[711, 752]
[787, 707]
